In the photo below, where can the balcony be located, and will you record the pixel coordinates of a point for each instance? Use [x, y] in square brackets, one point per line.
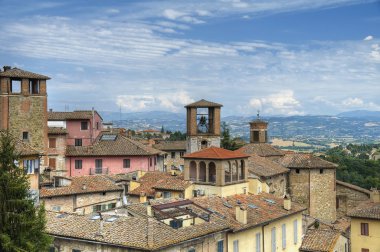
[99, 170]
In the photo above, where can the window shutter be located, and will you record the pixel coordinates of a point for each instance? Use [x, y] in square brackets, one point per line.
[236, 245]
[258, 242]
[295, 224]
[284, 236]
[273, 239]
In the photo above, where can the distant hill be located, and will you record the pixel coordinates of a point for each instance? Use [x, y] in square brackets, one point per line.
[361, 114]
[151, 115]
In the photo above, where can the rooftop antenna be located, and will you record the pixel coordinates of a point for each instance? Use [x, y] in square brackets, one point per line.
[258, 114]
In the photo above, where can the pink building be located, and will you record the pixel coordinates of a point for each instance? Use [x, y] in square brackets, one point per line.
[82, 127]
[111, 153]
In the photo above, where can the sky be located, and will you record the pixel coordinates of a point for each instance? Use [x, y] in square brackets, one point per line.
[294, 57]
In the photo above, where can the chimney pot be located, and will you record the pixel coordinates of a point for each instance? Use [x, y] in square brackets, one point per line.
[375, 195]
[241, 215]
[287, 203]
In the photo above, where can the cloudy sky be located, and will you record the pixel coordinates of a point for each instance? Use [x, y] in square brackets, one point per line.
[282, 57]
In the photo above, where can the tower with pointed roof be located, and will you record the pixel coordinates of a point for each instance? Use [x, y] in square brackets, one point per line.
[203, 125]
[23, 106]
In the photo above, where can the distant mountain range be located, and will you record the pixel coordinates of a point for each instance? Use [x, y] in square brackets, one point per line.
[353, 126]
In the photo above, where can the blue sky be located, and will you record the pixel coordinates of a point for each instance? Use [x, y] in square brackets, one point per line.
[282, 57]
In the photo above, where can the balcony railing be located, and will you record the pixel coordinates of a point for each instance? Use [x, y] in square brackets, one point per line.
[98, 170]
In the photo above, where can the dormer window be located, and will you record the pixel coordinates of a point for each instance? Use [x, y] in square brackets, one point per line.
[34, 86]
[15, 86]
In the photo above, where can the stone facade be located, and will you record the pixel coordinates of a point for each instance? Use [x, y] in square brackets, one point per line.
[176, 162]
[194, 143]
[348, 197]
[56, 155]
[278, 184]
[82, 203]
[314, 190]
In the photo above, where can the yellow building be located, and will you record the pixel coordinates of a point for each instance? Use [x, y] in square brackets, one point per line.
[365, 225]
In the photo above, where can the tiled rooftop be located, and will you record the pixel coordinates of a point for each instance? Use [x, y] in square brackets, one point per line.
[303, 160]
[261, 149]
[171, 146]
[354, 187]
[216, 153]
[19, 73]
[75, 115]
[119, 145]
[22, 147]
[320, 239]
[203, 103]
[57, 131]
[368, 210]
[264, 167]
[82, 185]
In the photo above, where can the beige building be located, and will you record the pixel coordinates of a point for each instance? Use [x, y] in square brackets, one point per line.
[365, 225]
[174, 152]
[83, 195]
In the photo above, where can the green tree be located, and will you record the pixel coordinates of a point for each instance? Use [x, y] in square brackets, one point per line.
[162, 129]
[226, 142]
[22, 224]
[177, 136]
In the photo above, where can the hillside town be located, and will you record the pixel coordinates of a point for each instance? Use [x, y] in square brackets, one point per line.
[106, 190]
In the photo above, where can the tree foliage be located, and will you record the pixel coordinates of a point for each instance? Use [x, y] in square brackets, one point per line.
[177, 136]
[354, 166]
[22, 224]
[227, 142]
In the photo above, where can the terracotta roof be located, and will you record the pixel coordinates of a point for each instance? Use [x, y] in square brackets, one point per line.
[202, 104]
[354, 187]
[138, 232]
[261, 149]
[22, 147]
[82, 185]
[264, 167]
[302, 160]
[367, 210]
[121, 146]
[320, 240]
[75, 115]
[159, 180]
[19, 73]
[57, 131]
[264, 211]
[343, 225]
[171, 145]
[216, 153]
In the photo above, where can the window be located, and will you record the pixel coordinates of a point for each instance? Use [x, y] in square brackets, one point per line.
[364, 229]
[78, 142]
[172, 154]
[297, 170]
[321, 171]
[181, 154]
[176, 223]
[126, 163]
[52, 142]
[283, 236]
[16, 86]
[76, 250]
[191, 250]
[236, 246]
[30, 166]
[155, 161]
[273, 240]
[97, 125]
[167, 195]
[84, 125]
[255, 136]
[150, 162]
[25, 136]
[34, 86]
[52, 163]
[365, 250]
[295, 231]
[56, 208]
[220, 246]
[258, 242]
[78, 164]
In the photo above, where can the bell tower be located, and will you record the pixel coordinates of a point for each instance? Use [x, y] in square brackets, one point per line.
[258, 130]
[203, 125]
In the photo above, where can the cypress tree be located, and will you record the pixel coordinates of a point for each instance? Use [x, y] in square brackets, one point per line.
[22, 224]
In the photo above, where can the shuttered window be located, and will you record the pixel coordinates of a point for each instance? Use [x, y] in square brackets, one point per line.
[220, 246]
[258, 242]
[236, 245]
[52, 163]
[52, 142]
[273, 240]
[295, 231]
[364, 229]
[283, 236]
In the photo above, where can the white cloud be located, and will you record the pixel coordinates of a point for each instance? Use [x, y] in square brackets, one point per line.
[246, 17]
[135, 102]
[353, 102]
[368, 38]
[180, 16]
[283, 103]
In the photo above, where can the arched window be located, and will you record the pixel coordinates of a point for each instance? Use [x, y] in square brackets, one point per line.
[202, 172]
[193, 171]
[241, 170]
[203, 144]
[227, 172]
[211, 172]
[234, 171]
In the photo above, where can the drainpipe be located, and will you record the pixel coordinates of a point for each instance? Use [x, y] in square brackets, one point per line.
[92, 125]
[70, 166]
[262, 231]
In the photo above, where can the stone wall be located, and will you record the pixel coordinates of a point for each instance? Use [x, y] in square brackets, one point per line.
[277, 184]
[177, 161]
[194, 142]
[59, 154]
[349, 197]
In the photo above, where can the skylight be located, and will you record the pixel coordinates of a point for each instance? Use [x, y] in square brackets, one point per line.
[108, 138]
[95, 217]
[252, 206]
[112, 219]
[227, 204]
[270, 201]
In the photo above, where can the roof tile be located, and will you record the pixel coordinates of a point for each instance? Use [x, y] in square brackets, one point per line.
[216, 153]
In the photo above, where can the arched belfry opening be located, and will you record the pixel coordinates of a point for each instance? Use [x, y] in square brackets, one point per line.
[258, 130]
[203, 125]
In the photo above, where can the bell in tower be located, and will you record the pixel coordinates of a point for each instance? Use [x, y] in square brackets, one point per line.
[203, 125]
[258, 130]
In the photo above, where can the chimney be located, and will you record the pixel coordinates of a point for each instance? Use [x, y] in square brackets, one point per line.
[287, 203]
[51, 110]
[375, 195]
[149, 210]
[241, 214]
[6, 68]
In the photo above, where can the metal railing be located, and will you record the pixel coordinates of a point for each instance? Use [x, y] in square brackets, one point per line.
[98, 170]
